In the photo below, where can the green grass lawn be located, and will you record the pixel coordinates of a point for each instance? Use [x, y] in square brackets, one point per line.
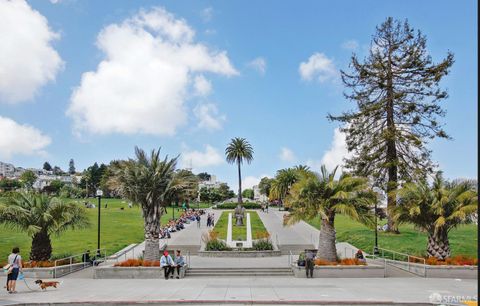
[463, 240]
[238, 232]
[119, 228]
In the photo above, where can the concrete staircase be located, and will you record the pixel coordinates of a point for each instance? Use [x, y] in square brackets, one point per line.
[238, 272]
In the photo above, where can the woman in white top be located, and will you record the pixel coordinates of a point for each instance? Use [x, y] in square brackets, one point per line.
[16, 261]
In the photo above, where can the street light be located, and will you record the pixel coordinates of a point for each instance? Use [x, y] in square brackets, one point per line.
[173, 211]
[375, 248]
[99, 195]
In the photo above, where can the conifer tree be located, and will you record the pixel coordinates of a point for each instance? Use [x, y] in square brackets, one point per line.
[397, 95]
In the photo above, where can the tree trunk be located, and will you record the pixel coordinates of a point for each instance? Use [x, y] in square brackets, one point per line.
[152, 233]
[326, 244]
[391, 157]
[239, 183]
[41, 246]
[438, 245]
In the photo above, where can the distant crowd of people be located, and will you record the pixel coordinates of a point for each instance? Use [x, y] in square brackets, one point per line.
[175, 225]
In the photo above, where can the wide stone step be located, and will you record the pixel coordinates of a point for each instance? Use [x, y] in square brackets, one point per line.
[218, 272]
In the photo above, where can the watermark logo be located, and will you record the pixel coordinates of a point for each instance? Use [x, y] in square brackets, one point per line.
[437, 298]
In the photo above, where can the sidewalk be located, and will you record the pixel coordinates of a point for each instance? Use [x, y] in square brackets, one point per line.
[245, 290]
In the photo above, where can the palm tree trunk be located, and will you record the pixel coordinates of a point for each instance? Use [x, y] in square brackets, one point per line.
[438, 245]
[152, 233]
[239, 183]
[41, 246]
[326, 244]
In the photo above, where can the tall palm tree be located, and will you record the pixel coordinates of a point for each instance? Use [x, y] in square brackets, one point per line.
[321, 195]
[284, 179]
[184, 187]
[40, 216]
[436, 209]
[146, 180]
[237, 151]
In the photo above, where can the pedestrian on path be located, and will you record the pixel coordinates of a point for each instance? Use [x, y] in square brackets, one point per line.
[309, 263]
[198, 220]
[13, 269]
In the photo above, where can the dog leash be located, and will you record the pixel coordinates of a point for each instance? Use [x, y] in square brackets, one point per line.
[26, 284]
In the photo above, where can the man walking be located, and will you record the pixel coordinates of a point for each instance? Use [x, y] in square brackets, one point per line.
[309, 264]
[198, 220]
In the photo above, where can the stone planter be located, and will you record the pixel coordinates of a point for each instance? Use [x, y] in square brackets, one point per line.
[239, 253]
[370, 271]
[111, 272]
[51, 272]
[462, 272]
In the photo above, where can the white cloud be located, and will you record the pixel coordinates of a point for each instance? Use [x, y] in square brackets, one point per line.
[27, 59]
[54, 1]
[199, 160]
[337, 152]
[151, 61]
[203, 87]
[319, 67]
[287, 155]
[259, 64]
[21, 139]
[334, 155]
[350, 45]
[250, 181]
[208, 116]
[207, 14]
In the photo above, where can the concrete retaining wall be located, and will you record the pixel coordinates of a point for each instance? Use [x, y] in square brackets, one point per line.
[42, 273]
[110, 272]
[462, 272]
[370, 271]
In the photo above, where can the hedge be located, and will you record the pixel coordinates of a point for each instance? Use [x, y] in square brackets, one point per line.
[233, 205]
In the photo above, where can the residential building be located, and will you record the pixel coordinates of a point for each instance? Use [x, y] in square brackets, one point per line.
[257, 196]
[6, 169]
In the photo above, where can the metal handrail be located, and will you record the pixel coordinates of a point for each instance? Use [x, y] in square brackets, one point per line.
[70, 259]
[373, 257]
[422, 260]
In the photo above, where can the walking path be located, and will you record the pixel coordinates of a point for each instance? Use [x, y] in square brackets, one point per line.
[188, 239]
[246, 290]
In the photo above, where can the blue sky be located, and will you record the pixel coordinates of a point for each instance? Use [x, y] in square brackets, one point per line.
[214, 70]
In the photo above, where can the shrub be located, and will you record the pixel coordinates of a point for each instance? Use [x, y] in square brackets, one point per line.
[262, 235]
[263, 245]
[233, 205]
[341, 262]
[216, 245]
[212, 243]
[137, 263]
[458, 260]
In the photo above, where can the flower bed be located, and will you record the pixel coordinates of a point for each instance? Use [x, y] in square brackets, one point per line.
[341, 262]
[247, 205]
[137, 263]
[452, 261]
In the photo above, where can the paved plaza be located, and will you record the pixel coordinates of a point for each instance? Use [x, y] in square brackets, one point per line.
[245, 290]
[399, 288]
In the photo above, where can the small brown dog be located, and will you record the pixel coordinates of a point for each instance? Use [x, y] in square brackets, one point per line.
[45, 285]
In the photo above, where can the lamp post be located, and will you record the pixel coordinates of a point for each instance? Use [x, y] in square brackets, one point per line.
[375, 248]
[99, 195]
[173, 210]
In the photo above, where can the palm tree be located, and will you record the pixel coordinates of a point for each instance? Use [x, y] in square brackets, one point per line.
[146, 180]
[436, 209]
[237, 151]
[321, 195]
[284, 179]
[40, 216]
[184, 187]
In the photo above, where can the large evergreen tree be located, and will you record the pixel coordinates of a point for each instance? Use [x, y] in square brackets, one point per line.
[397, 94]
[47, 166]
